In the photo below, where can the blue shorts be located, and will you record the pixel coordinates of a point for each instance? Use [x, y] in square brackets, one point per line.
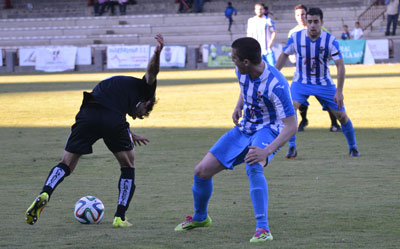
[233, 146]
[324, 94]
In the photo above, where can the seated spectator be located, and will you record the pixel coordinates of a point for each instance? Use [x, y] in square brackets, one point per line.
[346, 33]
[122, 7]
[357, 32]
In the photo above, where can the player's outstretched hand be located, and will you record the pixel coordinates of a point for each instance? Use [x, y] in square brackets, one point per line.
[139, 140]
[160, 45]
[256, 155]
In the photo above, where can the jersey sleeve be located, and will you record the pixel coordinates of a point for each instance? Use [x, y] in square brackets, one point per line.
[271, 25]
[280, 96]
[289, 47]
[335, 50]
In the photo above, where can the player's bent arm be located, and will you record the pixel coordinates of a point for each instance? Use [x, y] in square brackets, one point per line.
[237, 112]
[258, 155]
[154, 65]
[281, 61]
[287, 132]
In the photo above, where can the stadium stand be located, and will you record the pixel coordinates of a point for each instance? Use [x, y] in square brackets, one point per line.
[73, 22]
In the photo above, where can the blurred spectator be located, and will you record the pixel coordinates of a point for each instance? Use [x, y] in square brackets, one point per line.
[185, 5]
[392, 15]
[100, 7]
[198, 6]
[357, 32]
[346, 33]
[228, 13]
[122, 7]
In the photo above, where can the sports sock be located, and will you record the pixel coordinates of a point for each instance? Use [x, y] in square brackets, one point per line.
[258, 194]
[202, 190]
[303, 112]
[333, 119]
[292, 141]
[350, 135]
[56, 176]
[126, 187]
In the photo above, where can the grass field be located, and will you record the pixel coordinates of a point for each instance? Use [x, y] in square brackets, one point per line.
[322, 199]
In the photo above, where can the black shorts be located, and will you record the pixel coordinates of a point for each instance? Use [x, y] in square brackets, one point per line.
[93, 122]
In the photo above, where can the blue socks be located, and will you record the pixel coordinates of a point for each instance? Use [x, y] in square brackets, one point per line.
[202, 190]
[292, 141]
[348, 132]
[258, 194]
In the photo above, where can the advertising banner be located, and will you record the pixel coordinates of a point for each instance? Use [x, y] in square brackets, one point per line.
[119, 56]
[379, 48]
[55, 59]
[84, 56]
[220, 55]
[27, 56]
[171, 56]
[352, 51]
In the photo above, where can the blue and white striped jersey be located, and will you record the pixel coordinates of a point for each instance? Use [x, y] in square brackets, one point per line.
[266, 100]
[312, 57]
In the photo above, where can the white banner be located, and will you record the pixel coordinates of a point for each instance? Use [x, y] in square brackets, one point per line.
[119, 56]
[56, 59]
[27, 56]
[171, 56]
[379, 48]
[84, 56]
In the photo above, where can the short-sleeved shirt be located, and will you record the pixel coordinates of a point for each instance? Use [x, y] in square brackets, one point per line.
[261, 28]
[313, 57]
[266, 100]
[122, 93]
[357, 33]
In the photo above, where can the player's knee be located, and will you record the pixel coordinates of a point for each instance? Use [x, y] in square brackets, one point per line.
[342, 117]
[254, 169]
[202, 172]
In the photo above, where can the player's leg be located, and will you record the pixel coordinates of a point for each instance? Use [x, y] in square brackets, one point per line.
[348, 131]
[259, 188]
[227, 152]
[126, 186]
[335, 127]
[55, 177]
[292, 151]
[325, 95]
[303, 113]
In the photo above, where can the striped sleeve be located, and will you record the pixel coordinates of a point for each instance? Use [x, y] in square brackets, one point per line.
[335, 49]
[289, 47]
[280, 96]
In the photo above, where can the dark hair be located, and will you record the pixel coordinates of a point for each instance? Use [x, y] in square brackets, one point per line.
[358, 23]
[248, 48]
[229, 3]
[345, 26]
[149, 108]
[315, 12]
[300, 6]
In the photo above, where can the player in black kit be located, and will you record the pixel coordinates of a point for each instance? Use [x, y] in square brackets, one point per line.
[103, 115]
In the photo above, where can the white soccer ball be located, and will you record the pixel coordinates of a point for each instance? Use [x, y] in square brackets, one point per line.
[89, 210]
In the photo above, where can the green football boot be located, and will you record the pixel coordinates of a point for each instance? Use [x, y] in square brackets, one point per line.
[33, 212]
[189, 223]
[261, 235]
[118, 222]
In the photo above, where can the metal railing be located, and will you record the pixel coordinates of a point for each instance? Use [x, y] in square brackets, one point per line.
[371, 14]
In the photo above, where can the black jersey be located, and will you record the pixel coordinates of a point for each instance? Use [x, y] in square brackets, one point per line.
[122, 93]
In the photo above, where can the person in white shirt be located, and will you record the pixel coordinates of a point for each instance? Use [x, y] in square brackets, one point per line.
[262, 28]
[392, 15]
[357, 32]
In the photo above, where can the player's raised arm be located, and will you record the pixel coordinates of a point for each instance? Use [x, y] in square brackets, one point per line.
[154, 65]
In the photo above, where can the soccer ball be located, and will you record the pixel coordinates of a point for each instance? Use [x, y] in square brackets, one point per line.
[89, 210]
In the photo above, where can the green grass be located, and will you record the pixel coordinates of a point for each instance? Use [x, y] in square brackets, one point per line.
[323, 199]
